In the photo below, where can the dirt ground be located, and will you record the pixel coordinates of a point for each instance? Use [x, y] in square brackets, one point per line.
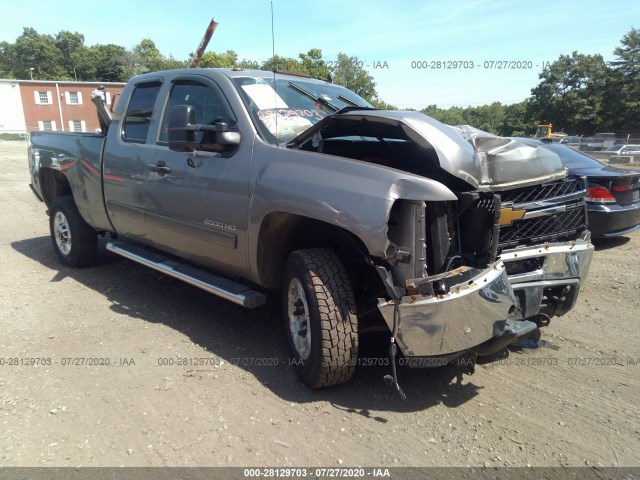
[236, 402]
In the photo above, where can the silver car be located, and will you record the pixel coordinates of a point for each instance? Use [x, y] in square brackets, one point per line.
[624, 150]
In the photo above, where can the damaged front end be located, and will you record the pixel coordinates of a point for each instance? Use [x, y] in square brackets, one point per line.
[467, 308]
[446, 292]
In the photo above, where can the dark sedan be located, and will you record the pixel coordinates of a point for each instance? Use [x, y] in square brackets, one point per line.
[613, 196]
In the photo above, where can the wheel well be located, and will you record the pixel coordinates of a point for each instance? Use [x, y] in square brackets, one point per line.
[53, 184]
[282, 233]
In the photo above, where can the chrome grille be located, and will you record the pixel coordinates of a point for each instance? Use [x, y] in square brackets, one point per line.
[561, 226]
[546, 191]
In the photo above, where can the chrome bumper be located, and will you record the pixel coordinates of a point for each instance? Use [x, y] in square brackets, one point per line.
[559, 265]
[469, 314]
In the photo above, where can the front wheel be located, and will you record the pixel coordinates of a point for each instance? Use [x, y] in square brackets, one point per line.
[74, 241]
[320, 317]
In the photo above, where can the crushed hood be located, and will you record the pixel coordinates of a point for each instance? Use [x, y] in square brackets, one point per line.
[484, 160]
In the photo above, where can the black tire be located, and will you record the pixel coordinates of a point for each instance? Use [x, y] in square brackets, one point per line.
[329, 356]
[74, 241]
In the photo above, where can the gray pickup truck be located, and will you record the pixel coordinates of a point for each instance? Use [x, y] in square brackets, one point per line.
[456, 242]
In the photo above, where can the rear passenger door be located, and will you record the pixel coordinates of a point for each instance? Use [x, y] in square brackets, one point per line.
[125, 161]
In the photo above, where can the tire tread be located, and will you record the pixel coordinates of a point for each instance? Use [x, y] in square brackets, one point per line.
[338, 320]
[84, 239]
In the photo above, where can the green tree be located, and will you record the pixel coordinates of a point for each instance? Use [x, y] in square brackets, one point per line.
[285, 64]
[6, 51]
[145, 57]
[169, 63]
[40, 52]
[313, 64]
[228, 59]
[485, 117]
[75, 56]
[629, 55]
[515, 122]
[381, 104]
[451, 116]
[350, 73]
[570, 94]
[614, 113]
[624, 87]
[110, 63]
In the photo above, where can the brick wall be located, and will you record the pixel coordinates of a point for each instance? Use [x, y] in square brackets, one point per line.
[63, 106]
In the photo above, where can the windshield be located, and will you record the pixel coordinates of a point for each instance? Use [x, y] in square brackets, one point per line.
[294, 105]
[614, 148]
[542, 131]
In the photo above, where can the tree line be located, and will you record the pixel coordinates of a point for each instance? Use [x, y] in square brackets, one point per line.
[577, 93]
[64, 56]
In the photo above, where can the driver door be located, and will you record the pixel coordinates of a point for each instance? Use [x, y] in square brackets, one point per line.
[196, 203]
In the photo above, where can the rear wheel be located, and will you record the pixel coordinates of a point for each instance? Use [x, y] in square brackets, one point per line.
[320, 317]
[74, 241]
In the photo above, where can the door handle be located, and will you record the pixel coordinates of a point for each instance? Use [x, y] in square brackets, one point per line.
[160, 168]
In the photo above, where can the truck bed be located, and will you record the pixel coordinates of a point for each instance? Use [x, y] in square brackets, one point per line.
[79, 156]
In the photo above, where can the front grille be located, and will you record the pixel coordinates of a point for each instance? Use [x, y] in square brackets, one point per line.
[542, 192]
[559, 226]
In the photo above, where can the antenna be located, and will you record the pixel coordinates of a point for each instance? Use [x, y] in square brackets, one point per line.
[273, 55]
[273, 36]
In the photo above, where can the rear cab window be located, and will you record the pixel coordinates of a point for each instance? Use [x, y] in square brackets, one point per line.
[139, 112]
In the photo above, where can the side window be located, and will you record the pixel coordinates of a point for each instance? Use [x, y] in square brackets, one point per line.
[208, 103]
[138, 116]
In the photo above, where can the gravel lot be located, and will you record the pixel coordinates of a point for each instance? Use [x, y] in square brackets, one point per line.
[573, 401]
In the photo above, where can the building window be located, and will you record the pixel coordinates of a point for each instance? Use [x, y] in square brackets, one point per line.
[73, 98]
[47, 125]
[43, 97]
[77, 126]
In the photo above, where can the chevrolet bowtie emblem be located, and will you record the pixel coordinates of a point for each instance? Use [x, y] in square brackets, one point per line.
[509, 215]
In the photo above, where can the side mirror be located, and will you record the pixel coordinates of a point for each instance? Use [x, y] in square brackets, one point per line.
[223, 136]
[182, 133]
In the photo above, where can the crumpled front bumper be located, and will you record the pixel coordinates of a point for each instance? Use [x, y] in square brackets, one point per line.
[537, 273]
[471, 313]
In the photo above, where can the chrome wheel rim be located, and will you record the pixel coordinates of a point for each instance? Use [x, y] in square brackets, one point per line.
[299, 320]
[62, 233]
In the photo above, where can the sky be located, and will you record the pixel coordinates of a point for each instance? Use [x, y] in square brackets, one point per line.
[500, 46]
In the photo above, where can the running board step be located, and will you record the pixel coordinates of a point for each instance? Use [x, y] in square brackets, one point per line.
[220, 286]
